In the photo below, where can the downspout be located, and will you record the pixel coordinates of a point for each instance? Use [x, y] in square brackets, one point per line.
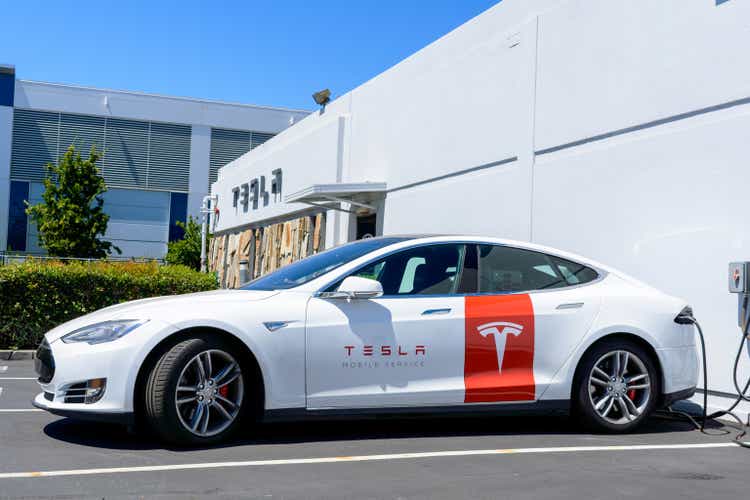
[205, 215]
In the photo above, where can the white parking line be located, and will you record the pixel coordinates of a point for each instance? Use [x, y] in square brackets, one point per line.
[19, 410]
[360, 458]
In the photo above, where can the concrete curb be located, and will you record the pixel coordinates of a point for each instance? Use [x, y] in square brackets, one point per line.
[16, 355]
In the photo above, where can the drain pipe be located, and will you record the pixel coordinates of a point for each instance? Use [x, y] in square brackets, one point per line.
[205, 216]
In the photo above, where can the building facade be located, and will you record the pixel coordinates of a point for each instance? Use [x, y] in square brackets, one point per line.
[616, 130]
[158, 154]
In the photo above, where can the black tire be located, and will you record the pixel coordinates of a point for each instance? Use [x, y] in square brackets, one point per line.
[160, 406]
[584, 406]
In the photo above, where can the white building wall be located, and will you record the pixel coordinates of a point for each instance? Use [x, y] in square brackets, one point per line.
[605, 66]
[618, 130]
[657, 97]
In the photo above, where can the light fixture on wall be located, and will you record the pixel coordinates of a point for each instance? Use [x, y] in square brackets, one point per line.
[322, 98]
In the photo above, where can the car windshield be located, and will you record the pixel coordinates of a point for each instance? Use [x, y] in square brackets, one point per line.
[308, 269]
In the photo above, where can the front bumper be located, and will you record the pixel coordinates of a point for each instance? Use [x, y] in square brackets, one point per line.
[117, 362]
[115, 417]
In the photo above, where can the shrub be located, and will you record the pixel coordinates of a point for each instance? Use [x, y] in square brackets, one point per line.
[37, 296]
[186, 251]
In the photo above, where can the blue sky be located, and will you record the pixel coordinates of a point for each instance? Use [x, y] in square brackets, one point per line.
[274, 52]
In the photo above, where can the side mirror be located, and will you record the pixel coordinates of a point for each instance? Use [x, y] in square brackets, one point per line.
[355, 287]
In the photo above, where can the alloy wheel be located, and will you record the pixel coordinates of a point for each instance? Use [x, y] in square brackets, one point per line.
[619, 387]
[209, 393]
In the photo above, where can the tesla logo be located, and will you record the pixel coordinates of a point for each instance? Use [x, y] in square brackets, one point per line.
[500, 335]
[499, 350]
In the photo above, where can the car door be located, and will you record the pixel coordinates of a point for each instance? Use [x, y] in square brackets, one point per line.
[522, 325]
[402, 349]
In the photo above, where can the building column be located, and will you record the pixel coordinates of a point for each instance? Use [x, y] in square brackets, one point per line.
[200, 153]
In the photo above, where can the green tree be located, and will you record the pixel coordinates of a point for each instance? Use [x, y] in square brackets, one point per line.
[70, 218]
[186, 251]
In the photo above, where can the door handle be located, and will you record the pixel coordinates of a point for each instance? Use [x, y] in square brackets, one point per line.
[570, 305]
[430, 312]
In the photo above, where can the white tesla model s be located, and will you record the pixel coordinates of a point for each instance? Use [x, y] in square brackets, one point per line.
[380, 326]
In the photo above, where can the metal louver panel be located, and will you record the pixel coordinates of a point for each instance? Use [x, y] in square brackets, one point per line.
[82, 132]
[134, 154]
[169, 159]
[34, 143]
[226, 146]
[126, 153]
[258, 138]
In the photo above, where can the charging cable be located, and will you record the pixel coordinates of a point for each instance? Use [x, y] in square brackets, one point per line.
[742, 394]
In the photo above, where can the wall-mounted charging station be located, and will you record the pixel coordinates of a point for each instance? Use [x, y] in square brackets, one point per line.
[739, 283]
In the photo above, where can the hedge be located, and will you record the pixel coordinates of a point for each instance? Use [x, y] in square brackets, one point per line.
[37, 296]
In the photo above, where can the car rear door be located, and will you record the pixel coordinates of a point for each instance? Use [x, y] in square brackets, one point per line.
[399, 350]
[530, 311]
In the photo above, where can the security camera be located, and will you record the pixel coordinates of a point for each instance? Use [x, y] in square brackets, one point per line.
[323, 97]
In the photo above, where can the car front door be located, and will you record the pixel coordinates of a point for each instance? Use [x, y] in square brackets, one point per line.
[399, 350]
[524, 323]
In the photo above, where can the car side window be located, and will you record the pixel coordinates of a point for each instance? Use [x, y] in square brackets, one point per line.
[424, 270]
[573, 272]
[504, 269]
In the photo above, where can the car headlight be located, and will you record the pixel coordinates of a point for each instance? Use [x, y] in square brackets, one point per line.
[106, 331]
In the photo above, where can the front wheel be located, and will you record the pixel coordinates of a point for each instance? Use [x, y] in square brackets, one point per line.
[617, 386]
[195, 393]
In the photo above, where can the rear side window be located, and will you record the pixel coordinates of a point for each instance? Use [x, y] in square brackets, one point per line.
[573, 272]
[504, 269]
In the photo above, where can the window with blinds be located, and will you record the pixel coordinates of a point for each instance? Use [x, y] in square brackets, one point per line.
[228, 145]
[135, 154]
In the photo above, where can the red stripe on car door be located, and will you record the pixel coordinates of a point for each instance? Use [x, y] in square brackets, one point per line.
[499, 316]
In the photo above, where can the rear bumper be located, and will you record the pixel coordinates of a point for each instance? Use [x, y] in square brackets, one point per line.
[114, 417]
[680, 368]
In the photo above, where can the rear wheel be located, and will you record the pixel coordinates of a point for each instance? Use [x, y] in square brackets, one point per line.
[617, 386]
[195, 394]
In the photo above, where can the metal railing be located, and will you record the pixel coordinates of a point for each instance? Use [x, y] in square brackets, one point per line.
[19, 258]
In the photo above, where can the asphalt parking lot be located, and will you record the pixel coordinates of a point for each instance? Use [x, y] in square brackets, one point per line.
[42, 456]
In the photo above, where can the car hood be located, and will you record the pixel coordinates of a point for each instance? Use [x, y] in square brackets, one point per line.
[165, 309]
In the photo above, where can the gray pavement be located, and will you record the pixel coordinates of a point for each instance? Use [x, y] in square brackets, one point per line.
[36, 441]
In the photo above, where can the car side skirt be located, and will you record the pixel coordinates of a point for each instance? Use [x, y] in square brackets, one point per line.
[546, 407]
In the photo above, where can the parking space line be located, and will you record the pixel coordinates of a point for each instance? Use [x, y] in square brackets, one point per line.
[19, 410]
[360, 458]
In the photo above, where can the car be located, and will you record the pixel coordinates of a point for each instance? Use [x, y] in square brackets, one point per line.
[425, 325]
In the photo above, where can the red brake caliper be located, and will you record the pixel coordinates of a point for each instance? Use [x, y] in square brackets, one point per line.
[224, 391]
[631, 394]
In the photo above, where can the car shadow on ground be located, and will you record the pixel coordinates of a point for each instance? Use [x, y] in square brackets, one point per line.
[109, 436]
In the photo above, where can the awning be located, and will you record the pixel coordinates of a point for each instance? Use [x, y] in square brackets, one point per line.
[331, 196]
